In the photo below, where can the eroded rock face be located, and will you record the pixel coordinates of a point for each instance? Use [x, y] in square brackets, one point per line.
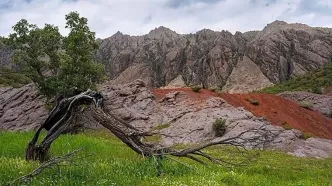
[218, 59]
[319, 103]
[246, 77]
[21, 108]
[282, 50]
[180, 118]
[178, 82]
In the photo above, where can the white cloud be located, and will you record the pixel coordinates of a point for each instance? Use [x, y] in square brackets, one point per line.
[137, 17]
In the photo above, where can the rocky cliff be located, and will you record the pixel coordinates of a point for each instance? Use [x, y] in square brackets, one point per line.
[237, 63]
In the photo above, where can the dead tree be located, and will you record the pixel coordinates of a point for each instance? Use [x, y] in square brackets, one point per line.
[60, 119]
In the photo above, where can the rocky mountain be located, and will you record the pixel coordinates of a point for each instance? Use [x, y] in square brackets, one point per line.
[236, 63]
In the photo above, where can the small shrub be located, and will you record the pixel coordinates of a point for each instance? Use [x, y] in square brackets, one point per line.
[11, 78]
[306, 135]
[316, 90]
[196, 88]
[216, 90]
[252, 101]
[213, 89]
[306, 104]
[329, 114]
[153, 139]
[219, 127]
[161, 126]
[49, 106]
[286, 126]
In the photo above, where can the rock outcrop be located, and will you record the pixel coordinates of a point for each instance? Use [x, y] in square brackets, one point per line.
[217, 59]
[246, 77]
[21, 108]
[318, 102]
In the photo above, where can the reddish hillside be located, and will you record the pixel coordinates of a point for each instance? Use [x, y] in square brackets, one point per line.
[277, 110]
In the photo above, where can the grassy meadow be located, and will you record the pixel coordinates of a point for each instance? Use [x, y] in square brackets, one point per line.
[312, 81]
[104, 160]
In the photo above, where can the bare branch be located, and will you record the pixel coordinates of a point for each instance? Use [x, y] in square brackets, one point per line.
[54, 162]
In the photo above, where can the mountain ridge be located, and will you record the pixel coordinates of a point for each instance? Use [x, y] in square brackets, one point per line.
[209, 58]
[236, 63]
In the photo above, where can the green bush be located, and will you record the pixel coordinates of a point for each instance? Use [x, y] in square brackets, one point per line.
[11, 78]
[213, 89]
[305, 104]
[196, 88]
[252, 101]
[316, 90]
[286, 126]
[306, 135]
[219, 127]
[161, 126]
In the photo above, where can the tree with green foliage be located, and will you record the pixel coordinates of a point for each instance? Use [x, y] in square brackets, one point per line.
[58, 65]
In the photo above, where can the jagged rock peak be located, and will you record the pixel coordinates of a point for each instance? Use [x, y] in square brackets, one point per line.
[282, 25]
[118, 33]
[162, 29]
[277, 23]
[205, 31]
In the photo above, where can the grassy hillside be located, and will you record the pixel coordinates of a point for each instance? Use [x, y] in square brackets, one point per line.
[13, 79]
[106, 161]
[311, 82]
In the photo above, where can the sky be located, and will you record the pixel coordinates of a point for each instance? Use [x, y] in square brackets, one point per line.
[138, 17]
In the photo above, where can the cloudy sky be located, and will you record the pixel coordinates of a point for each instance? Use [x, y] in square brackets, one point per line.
[137, 17]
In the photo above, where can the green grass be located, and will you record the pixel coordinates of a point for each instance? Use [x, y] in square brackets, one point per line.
[106, 161]
[13, 79]
[161, 126]
[311, 82]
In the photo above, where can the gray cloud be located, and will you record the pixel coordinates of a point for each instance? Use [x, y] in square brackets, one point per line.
[182, 3]
[137, 17]
[309, 6]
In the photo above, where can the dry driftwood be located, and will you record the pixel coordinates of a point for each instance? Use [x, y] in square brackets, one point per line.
[63, 113]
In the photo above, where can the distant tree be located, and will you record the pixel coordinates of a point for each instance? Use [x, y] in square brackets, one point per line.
[58, 65]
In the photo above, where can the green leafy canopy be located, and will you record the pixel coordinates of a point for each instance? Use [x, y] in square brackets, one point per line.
[58, 65]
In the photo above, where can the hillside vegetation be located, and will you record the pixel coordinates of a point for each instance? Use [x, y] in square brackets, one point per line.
[10, 78]
[311, 82]
[106, 161]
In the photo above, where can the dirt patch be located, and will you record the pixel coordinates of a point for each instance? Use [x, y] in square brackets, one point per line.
[277, 110]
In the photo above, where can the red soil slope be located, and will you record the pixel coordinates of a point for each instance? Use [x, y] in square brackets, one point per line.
[277, 110]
